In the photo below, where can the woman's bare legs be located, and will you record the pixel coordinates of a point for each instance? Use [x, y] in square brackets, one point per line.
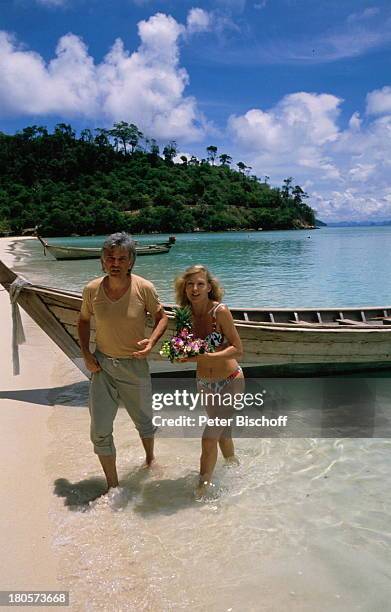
[208, 459]
[227, 447]
[223, 437]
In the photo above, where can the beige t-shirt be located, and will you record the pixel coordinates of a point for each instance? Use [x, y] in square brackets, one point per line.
[120, 324]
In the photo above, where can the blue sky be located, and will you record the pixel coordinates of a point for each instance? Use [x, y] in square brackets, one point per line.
[291, 87]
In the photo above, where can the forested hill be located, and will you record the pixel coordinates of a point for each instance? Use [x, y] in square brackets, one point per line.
[110, 180]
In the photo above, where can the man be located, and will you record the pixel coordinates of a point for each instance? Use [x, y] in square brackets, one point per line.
[119, 302]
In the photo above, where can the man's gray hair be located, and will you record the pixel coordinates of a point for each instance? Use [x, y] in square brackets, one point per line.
[123, 241]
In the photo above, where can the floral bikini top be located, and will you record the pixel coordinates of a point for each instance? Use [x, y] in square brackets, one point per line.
[215, 338]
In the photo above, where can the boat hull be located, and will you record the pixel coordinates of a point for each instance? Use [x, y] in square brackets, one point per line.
[73, 253]
[279, 348]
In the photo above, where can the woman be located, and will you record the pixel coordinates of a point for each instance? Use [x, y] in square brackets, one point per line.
[217, 372]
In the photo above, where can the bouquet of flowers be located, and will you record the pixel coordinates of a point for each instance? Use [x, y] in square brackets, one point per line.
[183, 344]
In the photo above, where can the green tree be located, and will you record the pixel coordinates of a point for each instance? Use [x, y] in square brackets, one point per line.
[32, 132]
[102, 138]
[86, 135]
[64, 130]
[212, 152]
[225, 159]
[125, 134]
[84, 185]
[134, 137]
[287, 187]
[242, 166]
[170, 151]
[154, 147]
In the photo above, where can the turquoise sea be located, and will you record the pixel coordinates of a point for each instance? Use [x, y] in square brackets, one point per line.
[325, 267]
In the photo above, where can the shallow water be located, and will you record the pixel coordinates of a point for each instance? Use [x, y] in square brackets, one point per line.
[302, 524]
[326, 267]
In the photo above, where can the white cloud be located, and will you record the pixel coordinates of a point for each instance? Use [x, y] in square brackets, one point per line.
[352, 205]
[198, 20]
[362, 172]
[367, 13]
[216, 21]
[345, 170]
[354, 42]
[355, 122]
[145, 87]
[159, 37]
[303, 118]
[66, 85]
[349, 39]
[360, 34]
[379, 101]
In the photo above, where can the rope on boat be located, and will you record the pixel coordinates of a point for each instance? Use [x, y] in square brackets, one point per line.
[43, 242]
[18, 336]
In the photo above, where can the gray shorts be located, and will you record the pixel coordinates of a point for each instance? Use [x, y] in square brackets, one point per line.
[120, 380]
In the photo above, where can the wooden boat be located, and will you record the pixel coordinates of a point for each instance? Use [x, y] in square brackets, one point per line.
[278, 341]
[61, 252]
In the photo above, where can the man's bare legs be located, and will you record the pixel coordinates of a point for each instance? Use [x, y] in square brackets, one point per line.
[148, 444]
[108, 464]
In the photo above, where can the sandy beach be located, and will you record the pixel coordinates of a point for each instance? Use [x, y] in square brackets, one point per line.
[27, 560]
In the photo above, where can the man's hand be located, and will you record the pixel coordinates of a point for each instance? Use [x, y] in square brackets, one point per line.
[91, 362]
[145, 348]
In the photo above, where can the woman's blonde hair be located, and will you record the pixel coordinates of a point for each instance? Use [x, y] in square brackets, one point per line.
[216, 291]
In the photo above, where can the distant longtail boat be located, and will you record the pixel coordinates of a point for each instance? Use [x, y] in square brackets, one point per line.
[62, 252]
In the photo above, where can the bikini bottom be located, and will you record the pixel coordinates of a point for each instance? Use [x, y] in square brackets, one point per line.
[217, 386]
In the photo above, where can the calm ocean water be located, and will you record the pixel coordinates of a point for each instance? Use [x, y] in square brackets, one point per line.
[325, 267]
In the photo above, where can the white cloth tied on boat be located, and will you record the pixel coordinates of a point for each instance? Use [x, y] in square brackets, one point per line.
[18, 336]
